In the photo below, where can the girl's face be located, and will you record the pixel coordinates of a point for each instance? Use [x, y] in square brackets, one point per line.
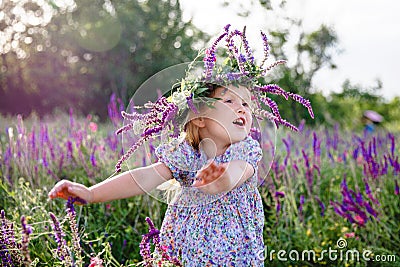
[230, 119]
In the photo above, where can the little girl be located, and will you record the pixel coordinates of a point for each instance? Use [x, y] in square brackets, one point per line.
[216, 219]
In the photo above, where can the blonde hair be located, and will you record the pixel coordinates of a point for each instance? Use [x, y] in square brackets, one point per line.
[191, 129]
[192, 134]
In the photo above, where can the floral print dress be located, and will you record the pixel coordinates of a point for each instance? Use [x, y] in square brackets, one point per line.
[213, 230]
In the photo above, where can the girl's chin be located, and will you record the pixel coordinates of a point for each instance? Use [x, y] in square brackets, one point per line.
[236, 139]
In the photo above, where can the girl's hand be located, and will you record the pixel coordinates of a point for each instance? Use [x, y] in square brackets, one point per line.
[66, 189]
[213, 179]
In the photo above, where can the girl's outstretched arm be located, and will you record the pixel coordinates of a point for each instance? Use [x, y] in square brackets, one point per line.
[214, 179]
[124, 185]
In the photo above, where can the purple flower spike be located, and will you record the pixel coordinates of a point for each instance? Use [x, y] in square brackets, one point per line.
[272, 89]
[233, 49]
[93, 157]
[210, 58]
[246, 47]
[287, 145]
[26, 231]
[145, 251]
[301, 203]
[321, 205]
[276, 90]
[278, 207]
[273, 106]
[63, 252]
[273, 65]
[242, 58]
[393, 145]
[306, 103]
[370, 209]
[8, 247]
[336, 208]
[255, 133]
[71, 215]
[226, 28]
[260, 113]
[155, 120]
[266, 48]
[189, 101]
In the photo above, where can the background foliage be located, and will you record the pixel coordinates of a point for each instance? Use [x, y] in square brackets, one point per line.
[89, 51]
[57, 55]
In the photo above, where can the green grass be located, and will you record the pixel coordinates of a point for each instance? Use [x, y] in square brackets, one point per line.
[113, 230]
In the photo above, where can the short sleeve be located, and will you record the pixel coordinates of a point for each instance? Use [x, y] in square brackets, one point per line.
[182, 160]
[248, 150]
[166, 154]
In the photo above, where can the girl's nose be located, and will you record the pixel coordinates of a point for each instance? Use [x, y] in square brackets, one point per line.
[241, 110]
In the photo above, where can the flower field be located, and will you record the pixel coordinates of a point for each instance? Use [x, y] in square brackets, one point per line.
[327, 190]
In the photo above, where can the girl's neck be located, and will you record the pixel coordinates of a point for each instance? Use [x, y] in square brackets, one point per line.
[211, 149]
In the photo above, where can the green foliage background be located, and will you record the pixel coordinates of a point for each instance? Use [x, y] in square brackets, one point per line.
[89, 50]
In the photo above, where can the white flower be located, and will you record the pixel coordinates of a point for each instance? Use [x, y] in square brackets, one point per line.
[10, 132]
[138, 127]
[171, 184]
[179, 98]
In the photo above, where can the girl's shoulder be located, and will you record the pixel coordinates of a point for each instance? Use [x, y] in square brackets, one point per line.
[248, 150]
[246, 145]
[176, 148]
[179, 155]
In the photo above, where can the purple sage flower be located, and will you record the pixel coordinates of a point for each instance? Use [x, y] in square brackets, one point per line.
[63, 252]
[145, 252]
[255, 133]
[93, 157]
[191, 105]
[301, 204]
[26, 231]
[321, 205]
[71, 215]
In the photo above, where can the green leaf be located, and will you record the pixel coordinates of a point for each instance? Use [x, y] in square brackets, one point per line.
[201, 90]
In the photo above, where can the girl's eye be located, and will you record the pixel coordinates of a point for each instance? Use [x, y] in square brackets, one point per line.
[245, 104]
[228, 101]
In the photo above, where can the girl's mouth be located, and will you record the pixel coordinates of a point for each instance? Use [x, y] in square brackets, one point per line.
[239, 122]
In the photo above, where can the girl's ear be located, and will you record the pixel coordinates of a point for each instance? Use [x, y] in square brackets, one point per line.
[199, 122]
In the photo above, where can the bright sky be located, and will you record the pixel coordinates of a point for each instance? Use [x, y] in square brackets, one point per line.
[368, 33]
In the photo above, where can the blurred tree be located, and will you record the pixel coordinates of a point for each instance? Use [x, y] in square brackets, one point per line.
[347, 107]
[313, 51]
[369, 95]
[24, 34]
[88, 50]
[391, 115]
[22, 24]
[153, 37]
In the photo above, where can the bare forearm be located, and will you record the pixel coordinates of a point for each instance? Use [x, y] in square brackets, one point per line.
[118, 187]
[130, 183]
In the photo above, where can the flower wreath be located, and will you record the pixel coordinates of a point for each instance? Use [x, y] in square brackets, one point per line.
[239, 67]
